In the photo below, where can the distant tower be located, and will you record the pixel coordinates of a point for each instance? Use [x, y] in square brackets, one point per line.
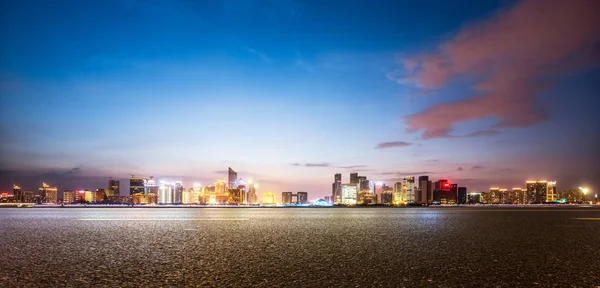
[137, 185]
[232, 178]
[336, 189]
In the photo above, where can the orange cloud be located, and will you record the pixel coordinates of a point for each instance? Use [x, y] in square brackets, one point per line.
[510, 57]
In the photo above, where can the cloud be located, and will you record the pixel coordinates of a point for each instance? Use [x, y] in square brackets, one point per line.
[295, 164]
[385, 145]
[317, 165]
[459, 169]
[404, 173]
[482, 133]
[260, 55]
[353, 166]
[221, 172]
[476, 167]
[511, 58]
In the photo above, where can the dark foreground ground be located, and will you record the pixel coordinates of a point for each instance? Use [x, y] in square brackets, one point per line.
[317, 247]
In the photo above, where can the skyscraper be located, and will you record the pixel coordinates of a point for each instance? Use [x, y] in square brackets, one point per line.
[425, 190]
[165, 193]
[353, 178]
[252, 195]
[408, 189]
[231, 178]
[349, 194]
[462, 195]
[113, 192]
[137, 185]
[397, 196]
[551, 194]
[336, 189]
[177, 193]
[18, 195]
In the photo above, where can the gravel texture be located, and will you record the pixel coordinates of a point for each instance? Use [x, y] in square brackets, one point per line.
[299, 247]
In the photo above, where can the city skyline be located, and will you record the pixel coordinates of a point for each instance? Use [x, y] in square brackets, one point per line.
[289, 93]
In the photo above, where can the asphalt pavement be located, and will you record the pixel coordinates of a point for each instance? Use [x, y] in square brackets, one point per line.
[300, 247]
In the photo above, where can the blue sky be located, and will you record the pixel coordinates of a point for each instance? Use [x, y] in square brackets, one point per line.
[184, 89]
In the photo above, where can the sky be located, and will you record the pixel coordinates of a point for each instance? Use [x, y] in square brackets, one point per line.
[287, 93]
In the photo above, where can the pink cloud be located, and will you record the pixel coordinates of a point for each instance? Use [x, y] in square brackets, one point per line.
[507, 56]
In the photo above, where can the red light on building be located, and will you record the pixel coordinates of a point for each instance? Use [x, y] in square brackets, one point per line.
[446, 185]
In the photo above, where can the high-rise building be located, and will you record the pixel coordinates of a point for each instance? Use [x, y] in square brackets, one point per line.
[398, 196]
[252, 195]
[442, 194]
[349, 194]
[151, 186]
[231, 178]
[80, 196]
[353, 178]
[68, 196]
[336, 189]
[462, 195]
[137, 185]
[474, 198]
[48, 194]
[536, 191]
[302, 197]
[177, 193]
[114, 192]
[519, 196]
[408, 189]
[286, 198]
[165, 193]
[363, 183]
[18, 195]
[495, 196]
[551, 194]
[425, 190]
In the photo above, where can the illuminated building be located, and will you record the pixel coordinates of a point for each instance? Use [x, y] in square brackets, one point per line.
[286, 198]
[220, 196]
[572, 196]
[165, 193]
[474, 198]
[114, 192]
[29, 198]
[68, 196]
[518, 196]
[462, 195]
[137, 185]
[197, 193]
[48, 194]
[327, 199]
[268, 199]
[353, 178]
[151, 186]
[495, 196]
[302, 198]
[177, 193]
[231, 178]
[236, 195]
[349, 194]
[144, 199]
[336, 189]
[425, 190]
[252, 195]
[408, 189]
[398, 196]
[80, 196]
[89, 196]
[18, 195]
[442, 193]
[363, 183]
[100, 195]
[551, 194]
[188, 196]
[504, 196]
[387, 196]
[536, 191]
